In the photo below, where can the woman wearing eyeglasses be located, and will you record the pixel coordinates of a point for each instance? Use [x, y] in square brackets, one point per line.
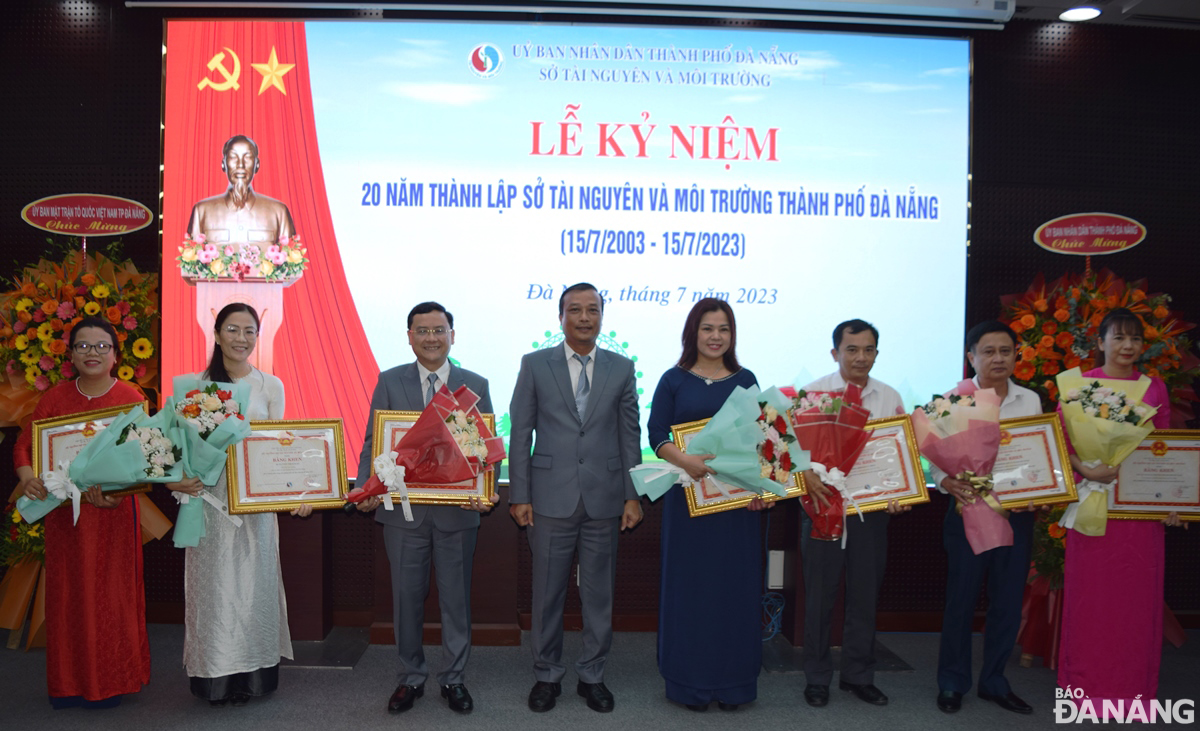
[235, 621]
[96, 647]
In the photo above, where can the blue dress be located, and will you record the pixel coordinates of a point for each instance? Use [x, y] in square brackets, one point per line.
[710, 601]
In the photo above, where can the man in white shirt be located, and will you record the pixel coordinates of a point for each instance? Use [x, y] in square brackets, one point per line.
[992, 352]
[865, 555]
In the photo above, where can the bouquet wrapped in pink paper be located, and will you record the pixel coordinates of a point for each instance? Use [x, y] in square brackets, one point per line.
[450, 442]
[830, 426]
[960, 434]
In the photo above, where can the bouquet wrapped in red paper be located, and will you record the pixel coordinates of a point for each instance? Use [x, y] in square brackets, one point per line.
[830, 426]
[449, 443]
[960, 434]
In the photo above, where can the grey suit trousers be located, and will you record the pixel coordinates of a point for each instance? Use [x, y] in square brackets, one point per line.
[864, 559]
[409, 552]
[553, 542]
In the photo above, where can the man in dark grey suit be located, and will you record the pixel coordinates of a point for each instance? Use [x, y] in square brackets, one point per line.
[444, 531]
[582, 402]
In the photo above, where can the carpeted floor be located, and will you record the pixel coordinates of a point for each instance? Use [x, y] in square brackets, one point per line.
[499, 678]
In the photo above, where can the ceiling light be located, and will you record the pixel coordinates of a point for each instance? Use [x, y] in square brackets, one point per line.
[1076, 15]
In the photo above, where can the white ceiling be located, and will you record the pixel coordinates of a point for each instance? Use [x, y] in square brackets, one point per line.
[1161, 13]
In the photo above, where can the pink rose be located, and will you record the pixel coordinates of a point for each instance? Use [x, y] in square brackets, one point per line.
[46, 363]
[81, 290]
[200, 238]
[140, 371]
[19, 327]
[66, 369]
[129, 323]
[41, 383]
[228, 251]
[207, 254]
[66, 311]
[12, 368]
[123, 306]
[39, 316]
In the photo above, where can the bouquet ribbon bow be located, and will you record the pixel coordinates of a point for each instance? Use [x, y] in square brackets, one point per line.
[836, 479]
[183, 499]
[392, 476]
[982, 485]
[59, 484]
[1089, 514]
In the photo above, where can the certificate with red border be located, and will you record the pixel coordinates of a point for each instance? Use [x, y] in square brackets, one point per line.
[1161, 476]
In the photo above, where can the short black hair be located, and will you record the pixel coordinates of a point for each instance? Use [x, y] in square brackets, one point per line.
[99, 324]
[855, 327]
[581, 287]
[987, 327]
[425, 308]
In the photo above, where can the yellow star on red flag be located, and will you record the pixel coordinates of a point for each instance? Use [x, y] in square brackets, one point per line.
[272, 73]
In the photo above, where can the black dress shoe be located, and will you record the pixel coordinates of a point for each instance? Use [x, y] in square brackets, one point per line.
[599, 698]
[1009, 702]
[949, 701]
[219, 703]
[458, 698]
[816, 695]
[867, 693]
[727, 706]
[403, 698]
[697, 707]
[541, 697]
[239, 699]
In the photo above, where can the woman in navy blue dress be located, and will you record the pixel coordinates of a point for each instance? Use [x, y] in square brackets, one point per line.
[710, 602]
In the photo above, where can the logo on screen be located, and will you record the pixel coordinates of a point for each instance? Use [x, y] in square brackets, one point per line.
[485, 60]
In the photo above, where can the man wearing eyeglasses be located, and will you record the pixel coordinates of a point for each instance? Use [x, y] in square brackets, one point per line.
[445, 533]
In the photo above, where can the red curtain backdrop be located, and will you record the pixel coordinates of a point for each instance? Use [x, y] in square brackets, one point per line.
[321, 351]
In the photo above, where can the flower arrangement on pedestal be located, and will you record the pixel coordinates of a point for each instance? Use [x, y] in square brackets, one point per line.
[1058, 327]
[45, 301]
[203, 259]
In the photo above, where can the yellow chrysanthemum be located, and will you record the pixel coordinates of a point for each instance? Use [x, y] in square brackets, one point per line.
[29, 357]
[125, 373]
[33, 531]
[91, 308]
[16, 516]
[100, 291]
[45, 331]
[142, 348]
[24, 304]
[22, 342]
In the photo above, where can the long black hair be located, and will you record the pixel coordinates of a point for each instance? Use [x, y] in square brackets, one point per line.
[216, 364]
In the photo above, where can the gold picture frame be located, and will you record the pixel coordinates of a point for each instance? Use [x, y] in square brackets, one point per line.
[389, 426]
[705, 499]
[283, 463]
[1183, 445]
[889, 468]
[1033, 464]
[69, 435]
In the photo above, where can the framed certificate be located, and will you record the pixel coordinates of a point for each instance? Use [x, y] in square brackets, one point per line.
[1032, 464]
[889, 468]
[391, 426]
[1161, 476]
[282, 464]
[709, 497]
[61, 438]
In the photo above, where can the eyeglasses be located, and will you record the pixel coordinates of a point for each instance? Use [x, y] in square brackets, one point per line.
[249, 332]
[435, 331]
[85, 348]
